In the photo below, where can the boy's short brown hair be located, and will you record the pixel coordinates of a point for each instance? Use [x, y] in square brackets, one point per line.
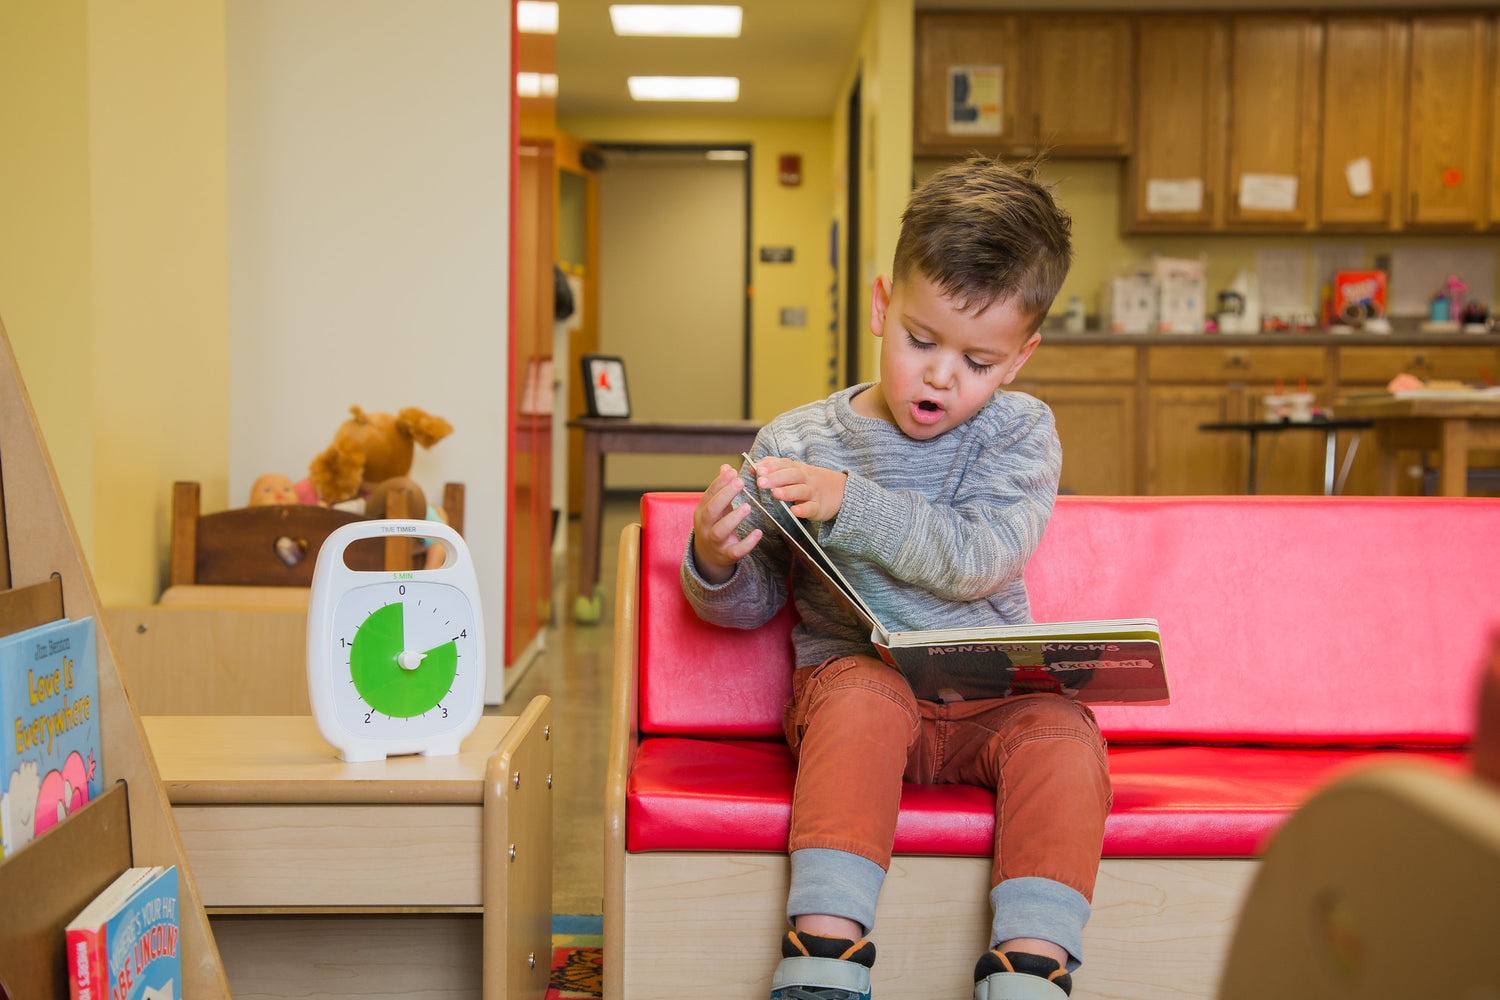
[985, 231]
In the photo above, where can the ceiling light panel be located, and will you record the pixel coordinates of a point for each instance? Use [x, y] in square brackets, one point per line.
[684, 88]
[677, 20]
[536, 17]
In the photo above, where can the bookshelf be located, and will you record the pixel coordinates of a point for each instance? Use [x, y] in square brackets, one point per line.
[44, 576]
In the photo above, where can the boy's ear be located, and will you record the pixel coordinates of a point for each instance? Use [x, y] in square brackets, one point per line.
[880, 301]
[1021, 356]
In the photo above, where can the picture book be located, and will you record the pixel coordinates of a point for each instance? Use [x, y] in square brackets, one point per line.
[49, 703]
[123, 946]
[1112, 661]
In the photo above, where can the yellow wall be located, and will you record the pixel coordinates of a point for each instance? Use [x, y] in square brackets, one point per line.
[789, 364]
[113, 280]
[1092, 192]
[44, 229]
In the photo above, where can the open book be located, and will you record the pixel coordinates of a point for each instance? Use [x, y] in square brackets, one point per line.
[1112, 661]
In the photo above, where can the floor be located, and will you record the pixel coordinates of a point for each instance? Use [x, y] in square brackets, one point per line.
[575, 671]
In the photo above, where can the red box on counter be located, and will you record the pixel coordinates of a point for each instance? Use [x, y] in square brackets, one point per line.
[1357, 296]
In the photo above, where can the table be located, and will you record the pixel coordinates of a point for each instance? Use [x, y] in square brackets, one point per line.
[1452, 424]
[1254, 428]
[413, 876]
[606, 435]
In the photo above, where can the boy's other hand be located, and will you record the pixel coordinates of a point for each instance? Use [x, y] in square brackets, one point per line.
[716, 545]
[812, 491]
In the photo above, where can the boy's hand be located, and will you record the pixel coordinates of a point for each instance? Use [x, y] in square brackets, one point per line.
[716, 546]
[812, 491]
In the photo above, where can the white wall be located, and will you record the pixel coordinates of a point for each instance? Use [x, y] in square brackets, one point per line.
[369, 173]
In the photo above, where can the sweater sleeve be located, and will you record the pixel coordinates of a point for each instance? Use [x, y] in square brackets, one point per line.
[978, 544]
[757, 588]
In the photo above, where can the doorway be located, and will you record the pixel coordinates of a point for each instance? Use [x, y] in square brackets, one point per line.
[673, 302]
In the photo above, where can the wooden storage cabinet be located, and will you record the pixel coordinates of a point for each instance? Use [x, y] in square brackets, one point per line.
[1447, 110]
[1078, 86]
[1180, 123]
[1273, 121]
[1065, 82]
[1092, 393]
[946, 40]
[1363, 104]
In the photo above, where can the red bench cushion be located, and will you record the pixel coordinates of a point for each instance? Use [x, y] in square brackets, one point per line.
[1288, 620]
[1178, 801]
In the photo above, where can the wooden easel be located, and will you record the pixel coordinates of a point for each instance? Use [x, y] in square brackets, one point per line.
[43, 577]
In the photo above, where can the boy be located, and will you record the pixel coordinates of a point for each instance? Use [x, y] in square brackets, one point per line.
[930, 489]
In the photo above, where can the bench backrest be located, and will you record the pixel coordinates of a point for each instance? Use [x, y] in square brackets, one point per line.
[1301, 620]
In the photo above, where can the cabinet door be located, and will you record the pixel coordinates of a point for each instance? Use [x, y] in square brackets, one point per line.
[1182, 460]
[1177, 170]
[1076, 98]
[1096, 424]
[967, 78]
[1445, 114]
[1364, 94]
[1273, 116]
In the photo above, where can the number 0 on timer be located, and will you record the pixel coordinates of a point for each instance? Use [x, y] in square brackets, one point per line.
[395, 660]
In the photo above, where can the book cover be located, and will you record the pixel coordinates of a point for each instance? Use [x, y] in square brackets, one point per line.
[1114, 661]
[124, 945]
[49, 704]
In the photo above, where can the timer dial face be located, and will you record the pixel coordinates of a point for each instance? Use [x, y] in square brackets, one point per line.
[402, 651]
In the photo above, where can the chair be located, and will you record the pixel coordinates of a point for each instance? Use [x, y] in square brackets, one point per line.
[277, 546]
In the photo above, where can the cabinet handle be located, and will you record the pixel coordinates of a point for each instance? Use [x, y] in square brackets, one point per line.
[1236, 361]
[1036, 123]
[1208, 204]
[1386, 212]
[1414, 206]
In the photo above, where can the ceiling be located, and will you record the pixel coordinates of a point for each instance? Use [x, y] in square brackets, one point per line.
[792, 56]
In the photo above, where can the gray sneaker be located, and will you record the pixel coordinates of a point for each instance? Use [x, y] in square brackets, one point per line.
[805, 978]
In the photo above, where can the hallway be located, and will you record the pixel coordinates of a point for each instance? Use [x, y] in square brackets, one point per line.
[575, 670]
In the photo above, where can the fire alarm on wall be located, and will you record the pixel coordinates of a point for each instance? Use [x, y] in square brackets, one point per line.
[790, 169]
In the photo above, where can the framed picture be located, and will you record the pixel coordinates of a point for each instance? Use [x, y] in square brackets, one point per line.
[604, 385]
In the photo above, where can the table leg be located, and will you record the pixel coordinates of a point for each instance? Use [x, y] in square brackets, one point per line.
[1338, 487]
[1390, 470]
[1454, 478]
[1330, 454]
[586, 608]
[1254, 464]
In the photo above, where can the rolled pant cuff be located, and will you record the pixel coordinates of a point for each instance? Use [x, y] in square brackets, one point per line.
[836, 883]
[1033, 907]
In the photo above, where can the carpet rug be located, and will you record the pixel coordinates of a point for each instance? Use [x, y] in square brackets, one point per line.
[577, 957]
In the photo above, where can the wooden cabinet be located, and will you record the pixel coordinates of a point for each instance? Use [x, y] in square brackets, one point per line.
[1363, 128]
[1078, 84]
[1064, 84]
[1447, 111]
[1181, 460]
[1175, 177]
[973, 53]
[1273, 121]
[1092, 393]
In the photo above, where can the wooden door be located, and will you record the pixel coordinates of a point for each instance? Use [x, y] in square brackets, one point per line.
[974, 53]
[1363, 122]
[1077, 98]
[1273, 119]
[1445, 179]
[1177, 171]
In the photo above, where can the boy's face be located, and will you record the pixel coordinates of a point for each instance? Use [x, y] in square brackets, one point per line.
[940, 365]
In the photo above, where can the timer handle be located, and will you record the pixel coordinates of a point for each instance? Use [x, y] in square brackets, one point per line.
[331, 565]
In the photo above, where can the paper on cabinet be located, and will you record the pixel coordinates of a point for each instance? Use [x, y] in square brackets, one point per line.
[1361, 177]
[1174, 195]
[1268, 192]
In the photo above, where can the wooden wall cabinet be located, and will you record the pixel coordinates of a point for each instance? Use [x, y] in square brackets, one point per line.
[1065, 82]
[1175, 178]
[945, 41]
[1447, 110]
[1078, 87]
[1273, 121]
[1363, 122]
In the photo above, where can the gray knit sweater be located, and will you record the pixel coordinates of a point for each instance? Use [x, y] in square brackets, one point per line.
[933, 534]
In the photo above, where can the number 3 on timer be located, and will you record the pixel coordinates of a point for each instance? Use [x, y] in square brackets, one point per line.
[395, 661]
